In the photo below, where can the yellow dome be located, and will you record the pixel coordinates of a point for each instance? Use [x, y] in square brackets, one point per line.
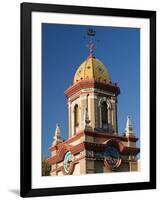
[92, 68]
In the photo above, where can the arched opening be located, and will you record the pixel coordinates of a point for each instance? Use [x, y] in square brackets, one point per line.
[104, 117]
[76, 117]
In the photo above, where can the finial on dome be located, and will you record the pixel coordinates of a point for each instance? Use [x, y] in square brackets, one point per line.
[57, 136]
[91, 46]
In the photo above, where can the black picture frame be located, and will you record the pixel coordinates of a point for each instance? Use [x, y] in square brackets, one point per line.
[26, 104]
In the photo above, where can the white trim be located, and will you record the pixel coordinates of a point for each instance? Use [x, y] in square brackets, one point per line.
[44, 182]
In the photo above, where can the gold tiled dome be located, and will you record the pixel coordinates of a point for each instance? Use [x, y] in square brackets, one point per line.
[92, 68]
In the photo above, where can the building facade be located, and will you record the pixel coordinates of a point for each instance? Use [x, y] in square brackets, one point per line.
[94, 144]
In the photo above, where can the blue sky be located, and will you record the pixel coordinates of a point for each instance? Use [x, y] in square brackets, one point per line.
[64, 49]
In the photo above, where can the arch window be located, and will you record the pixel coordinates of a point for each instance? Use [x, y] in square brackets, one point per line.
[104, 115]
[76, 115]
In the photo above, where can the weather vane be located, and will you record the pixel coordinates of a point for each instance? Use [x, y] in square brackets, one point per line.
[91, 46]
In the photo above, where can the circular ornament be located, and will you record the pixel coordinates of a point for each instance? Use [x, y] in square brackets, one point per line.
[112, 157]
[68, 163]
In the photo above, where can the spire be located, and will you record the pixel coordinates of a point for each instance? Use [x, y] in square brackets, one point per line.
[91, 46]
[129, 128]
[57, 136]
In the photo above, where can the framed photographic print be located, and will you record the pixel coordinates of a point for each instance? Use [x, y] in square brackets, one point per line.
[88, 99]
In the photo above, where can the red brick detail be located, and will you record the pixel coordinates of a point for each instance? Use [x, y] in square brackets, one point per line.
[78, 148]
[72, 139]
[52, 160]
[75, 137]
[63, 150]
[80, 158]
[52, 148]
[91, 83]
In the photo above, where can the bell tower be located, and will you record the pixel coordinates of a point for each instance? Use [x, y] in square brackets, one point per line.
[92, 94]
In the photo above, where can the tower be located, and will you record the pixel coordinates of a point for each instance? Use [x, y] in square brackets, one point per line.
[92, 90]
[94, 144]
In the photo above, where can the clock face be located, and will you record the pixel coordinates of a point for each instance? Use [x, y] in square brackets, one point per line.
[68, 162]
[112, 157]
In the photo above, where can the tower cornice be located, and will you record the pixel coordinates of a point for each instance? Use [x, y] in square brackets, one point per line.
[91, 83]
[95, 135]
